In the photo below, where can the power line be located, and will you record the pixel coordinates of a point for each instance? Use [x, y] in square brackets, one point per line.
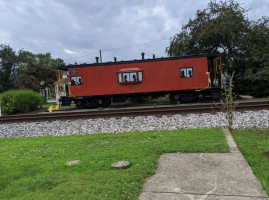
[136, 45]
[155, 41]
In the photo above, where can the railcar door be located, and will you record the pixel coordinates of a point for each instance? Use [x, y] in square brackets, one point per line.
[62, 89]
[214, 72]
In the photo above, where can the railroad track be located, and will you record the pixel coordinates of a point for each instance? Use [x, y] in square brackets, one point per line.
[130, 112]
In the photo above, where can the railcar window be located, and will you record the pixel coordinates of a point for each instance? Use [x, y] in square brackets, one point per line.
[130, 77]
[189, 72]
[186, 72]
[140, 76]
[76, 80]
[183, 72]
[119, 77]
[73, 71]
[126, 77]
[133, 76]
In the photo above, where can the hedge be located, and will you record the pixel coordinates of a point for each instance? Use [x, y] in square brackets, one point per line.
[15, 101]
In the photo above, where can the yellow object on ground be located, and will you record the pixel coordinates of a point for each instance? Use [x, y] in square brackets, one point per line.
[57, 107]
[51, 108]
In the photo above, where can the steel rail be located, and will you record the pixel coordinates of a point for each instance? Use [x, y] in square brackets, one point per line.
[129, 112]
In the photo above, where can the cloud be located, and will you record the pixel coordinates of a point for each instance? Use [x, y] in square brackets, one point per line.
[86, 27]
[69, 51]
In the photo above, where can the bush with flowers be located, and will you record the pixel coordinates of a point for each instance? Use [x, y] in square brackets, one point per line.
[7, 104]
[16, 101]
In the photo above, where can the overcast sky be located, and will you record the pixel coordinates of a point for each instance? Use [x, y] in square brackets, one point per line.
[75, 30]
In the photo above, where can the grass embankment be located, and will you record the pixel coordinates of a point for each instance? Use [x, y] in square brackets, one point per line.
[34, 168]
[253, 144]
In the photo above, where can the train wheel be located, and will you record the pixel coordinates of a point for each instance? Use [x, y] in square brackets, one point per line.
[88, 103]
[174, 98]
[188, 97]
[201, 97]
[79, 104]
[102, 102]
[108, 101]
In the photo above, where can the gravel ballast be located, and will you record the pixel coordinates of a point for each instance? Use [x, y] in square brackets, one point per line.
[242, 120]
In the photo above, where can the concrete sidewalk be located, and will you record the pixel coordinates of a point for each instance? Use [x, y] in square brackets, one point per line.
[200, 176]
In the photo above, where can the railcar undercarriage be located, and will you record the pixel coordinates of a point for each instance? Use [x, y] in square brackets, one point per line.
[186, 96]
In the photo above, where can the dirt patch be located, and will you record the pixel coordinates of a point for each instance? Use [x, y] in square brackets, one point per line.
[267, 154]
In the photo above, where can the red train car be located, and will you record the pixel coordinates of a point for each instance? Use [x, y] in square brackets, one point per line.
[185, 79]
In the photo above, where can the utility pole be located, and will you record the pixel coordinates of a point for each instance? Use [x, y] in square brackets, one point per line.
[100, 56]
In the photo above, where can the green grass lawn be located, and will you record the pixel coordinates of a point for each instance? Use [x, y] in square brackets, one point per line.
[253, 144]
[34, 168]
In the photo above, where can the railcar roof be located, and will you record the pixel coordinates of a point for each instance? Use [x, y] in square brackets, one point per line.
[65, 67]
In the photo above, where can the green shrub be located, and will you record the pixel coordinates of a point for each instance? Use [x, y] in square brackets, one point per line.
[15, 101]
[7, 102]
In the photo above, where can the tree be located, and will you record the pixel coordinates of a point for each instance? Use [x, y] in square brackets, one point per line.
[26, 70]
[34, 68]
[224, 28]
[217, 29]
[8, 64]
[256, 57]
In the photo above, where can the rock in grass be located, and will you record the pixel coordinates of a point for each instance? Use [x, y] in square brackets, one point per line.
[121, 165]
[72, 162]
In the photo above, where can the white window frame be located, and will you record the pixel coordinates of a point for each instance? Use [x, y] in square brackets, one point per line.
[76, 80]
[140, 76]
[119, 78]
[186, 72]
[129, 77]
